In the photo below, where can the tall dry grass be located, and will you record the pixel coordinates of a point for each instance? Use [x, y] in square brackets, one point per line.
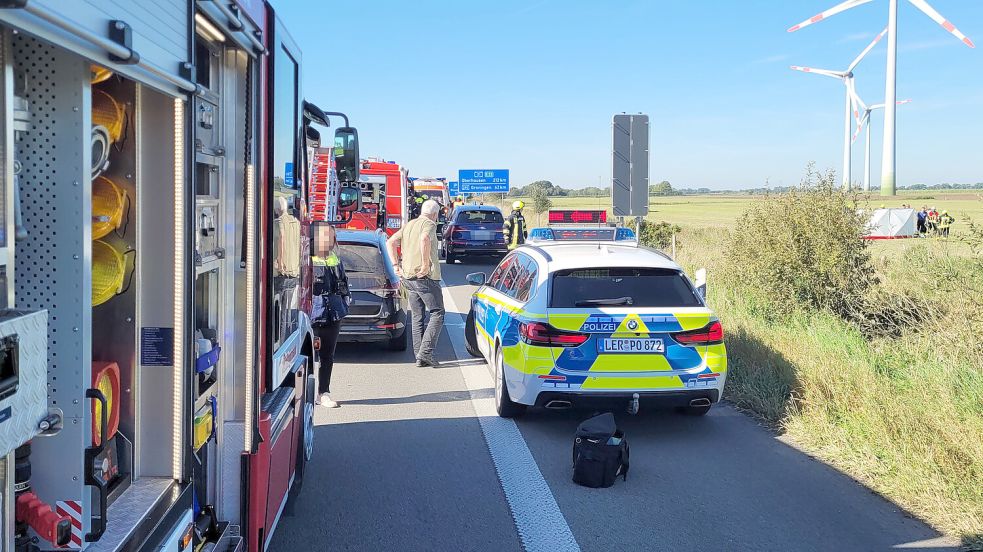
[888, 388]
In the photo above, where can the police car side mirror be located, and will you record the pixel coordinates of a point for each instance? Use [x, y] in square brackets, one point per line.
[701, 282]
[477, 279]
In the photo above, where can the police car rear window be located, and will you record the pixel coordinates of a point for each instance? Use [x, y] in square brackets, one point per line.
[622, 287]
[478, 217]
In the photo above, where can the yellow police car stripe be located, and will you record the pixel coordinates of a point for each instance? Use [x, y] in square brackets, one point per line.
[655, 382]
[569, 322]
[692, 321]
[630, 363]
[716, 357]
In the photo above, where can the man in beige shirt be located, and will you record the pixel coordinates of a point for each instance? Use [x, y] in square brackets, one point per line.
[419, 267]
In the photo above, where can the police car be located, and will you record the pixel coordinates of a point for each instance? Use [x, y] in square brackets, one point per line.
[573, 323]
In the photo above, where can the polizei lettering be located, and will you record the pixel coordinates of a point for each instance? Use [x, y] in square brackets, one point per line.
[608, 327]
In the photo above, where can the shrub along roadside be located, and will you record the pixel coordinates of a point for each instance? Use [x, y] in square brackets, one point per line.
[900, 410]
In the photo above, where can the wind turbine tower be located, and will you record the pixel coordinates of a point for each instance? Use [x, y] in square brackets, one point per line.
[851, 104]
[888, 160]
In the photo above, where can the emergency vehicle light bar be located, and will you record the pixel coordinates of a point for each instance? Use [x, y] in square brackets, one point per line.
[578, 216]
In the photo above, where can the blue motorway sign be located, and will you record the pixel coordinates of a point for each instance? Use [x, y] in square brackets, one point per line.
[484, 181]
[453, 189]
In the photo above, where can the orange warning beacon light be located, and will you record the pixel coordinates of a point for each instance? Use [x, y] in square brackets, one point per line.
[105, 378]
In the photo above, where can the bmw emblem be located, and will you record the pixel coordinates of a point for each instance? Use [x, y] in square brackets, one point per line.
[632, 325]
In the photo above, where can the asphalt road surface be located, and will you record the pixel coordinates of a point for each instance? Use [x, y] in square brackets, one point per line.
[413, 460]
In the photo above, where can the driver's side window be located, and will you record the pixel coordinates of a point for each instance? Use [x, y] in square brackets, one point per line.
[496, 277]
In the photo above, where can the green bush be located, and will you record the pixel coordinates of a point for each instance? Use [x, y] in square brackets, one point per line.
[656, 234]
[804, 249]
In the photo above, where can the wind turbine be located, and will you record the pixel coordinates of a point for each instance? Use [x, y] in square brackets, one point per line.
[865, 120]
[851, 103]
[888, 160]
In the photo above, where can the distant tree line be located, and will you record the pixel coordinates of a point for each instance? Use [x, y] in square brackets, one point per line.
[944, 186]
[548, 189]
[545, 188]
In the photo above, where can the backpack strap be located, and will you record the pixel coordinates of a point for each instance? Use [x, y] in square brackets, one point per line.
[625, 453]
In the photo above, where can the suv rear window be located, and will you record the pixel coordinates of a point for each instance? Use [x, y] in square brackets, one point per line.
[479, 217]
[364, 264]
[617, 287]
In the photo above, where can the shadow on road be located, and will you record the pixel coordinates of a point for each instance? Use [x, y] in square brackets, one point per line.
[447, 396]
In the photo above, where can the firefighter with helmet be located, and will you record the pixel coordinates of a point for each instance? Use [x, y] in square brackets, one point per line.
[514, 228]
[945, 221]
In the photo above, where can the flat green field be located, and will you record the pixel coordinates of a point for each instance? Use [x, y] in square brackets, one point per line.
[697, 212]
[721, 211]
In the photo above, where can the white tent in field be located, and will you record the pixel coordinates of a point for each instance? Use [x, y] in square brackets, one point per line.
[886, 224]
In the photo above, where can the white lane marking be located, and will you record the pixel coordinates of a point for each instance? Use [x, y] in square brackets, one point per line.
[537, 516]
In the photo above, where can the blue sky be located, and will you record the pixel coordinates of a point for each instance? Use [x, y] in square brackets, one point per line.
[531, 85]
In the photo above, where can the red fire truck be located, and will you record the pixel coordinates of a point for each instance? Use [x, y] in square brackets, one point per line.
[385, 191]
[159, 153]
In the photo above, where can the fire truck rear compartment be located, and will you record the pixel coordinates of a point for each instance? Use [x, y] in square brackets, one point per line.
[111, 301]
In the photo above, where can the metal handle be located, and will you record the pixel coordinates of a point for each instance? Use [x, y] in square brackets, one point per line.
[91, 453]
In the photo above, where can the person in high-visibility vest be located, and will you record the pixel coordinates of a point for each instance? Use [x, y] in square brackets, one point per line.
[416, 202]
[945, 221]
[514, 227]
[331, 299]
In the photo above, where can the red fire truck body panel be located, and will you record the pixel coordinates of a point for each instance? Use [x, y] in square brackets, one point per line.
[393, 212]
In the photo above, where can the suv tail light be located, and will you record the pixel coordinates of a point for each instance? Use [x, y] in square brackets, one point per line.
[458, 234]
[544, 335]
[388, 290]
[710, 334]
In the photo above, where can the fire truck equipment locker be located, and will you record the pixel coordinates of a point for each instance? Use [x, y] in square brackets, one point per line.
[105, 197]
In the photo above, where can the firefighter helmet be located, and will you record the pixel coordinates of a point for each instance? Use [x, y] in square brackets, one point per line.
[518, 205]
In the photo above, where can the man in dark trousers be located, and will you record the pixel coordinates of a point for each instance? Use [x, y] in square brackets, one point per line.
[414, 251]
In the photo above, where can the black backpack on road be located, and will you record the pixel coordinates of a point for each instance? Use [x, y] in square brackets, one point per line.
[600, 452]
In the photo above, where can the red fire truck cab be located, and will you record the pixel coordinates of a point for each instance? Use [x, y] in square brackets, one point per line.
[385, 188]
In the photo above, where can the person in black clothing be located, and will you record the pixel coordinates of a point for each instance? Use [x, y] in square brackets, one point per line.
[331, 298]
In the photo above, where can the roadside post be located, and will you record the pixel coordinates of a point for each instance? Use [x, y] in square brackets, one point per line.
[630, 167]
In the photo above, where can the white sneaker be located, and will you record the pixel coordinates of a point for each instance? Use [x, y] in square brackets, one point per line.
[326, 401]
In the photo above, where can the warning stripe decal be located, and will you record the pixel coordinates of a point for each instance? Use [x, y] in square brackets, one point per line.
[73, 510]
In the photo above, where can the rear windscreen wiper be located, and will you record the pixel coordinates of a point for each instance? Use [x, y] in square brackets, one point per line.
[615, 301]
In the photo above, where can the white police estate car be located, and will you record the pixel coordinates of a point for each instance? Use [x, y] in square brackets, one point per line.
[570, 323]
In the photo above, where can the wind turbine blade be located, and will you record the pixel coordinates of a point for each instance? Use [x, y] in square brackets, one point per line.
[824, 72]
[828, 13]
[866, 51]
[855, 100]
[902, 102]
[860, 126]
[937, 17]
[858, 103]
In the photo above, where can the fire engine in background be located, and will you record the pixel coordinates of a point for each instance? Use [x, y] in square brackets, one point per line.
[156, 358]
[435, 189]
[385, 192]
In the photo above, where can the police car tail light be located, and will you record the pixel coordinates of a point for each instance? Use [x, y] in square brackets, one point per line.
[544, 335]
[711, 334]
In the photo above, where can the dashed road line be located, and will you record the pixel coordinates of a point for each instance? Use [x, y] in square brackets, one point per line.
[537, 516]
